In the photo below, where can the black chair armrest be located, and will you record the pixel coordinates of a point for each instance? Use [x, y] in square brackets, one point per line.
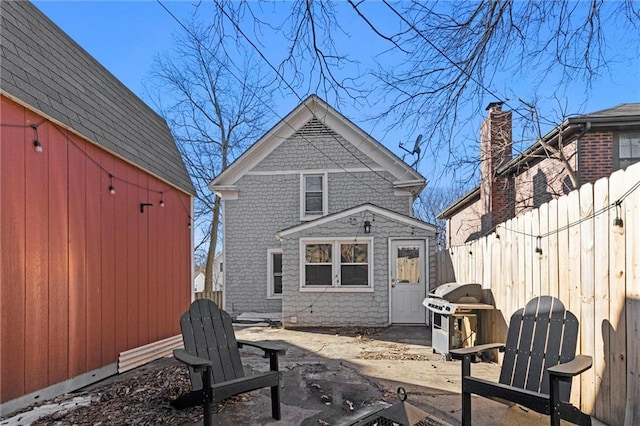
[267, 347]
[475, 350]
[572, 368]
[271, 351]
[197, 363]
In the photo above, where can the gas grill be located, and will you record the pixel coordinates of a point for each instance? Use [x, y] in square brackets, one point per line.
[454, 321]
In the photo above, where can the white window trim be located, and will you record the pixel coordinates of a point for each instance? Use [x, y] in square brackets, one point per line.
[335, 259]
[325, 196]
[270, 284]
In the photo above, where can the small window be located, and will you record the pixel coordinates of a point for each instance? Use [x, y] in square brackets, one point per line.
[337, 265]
[313, 196]
[354, 264]
[318, 265]
[274, 271]
[628, 149]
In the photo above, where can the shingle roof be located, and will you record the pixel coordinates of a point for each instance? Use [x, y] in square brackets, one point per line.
[44, 68]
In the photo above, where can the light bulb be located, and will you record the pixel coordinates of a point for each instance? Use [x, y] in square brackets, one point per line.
[37, 146]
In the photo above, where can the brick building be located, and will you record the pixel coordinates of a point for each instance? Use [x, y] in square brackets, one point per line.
[592, 145]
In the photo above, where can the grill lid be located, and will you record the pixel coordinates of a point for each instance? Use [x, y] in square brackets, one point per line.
[459, 292]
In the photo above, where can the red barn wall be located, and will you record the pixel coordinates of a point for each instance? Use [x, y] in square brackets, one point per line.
[84, 274]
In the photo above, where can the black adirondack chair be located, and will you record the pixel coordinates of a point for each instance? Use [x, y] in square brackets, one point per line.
[212, 354]
[538, 366]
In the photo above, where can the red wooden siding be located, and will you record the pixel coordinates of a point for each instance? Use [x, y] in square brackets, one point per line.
[84, 274]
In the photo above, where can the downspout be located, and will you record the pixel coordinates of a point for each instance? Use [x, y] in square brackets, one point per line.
[586, 128]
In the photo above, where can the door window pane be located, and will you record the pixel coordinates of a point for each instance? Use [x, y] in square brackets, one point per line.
[408, 264]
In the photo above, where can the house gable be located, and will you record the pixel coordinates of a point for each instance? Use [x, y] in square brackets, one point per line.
[309, 120]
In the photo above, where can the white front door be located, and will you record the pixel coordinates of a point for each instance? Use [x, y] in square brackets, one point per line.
[408, 281]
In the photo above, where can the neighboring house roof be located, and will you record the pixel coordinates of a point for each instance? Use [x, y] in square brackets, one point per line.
[619, 116]
[622, 115]
[410, 221]
[44, 69]
[461, 203]
[314, 107]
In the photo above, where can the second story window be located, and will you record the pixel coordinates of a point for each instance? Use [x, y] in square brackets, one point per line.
[628, 149]
[313, 196]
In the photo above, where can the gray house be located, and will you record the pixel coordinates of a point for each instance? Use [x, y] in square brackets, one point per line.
[318, 226]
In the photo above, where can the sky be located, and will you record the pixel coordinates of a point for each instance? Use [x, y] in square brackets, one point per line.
[126, 36]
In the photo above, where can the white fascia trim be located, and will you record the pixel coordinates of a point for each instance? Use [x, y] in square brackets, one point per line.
[265, 145]
[365, 207]
[229, 192]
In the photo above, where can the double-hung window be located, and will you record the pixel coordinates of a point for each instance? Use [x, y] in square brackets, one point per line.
[628, 149]
[313, 195]
[274, 274]
[337, 265]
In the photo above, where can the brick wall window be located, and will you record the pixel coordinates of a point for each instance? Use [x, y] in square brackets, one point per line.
[336, 265]
[628, 149]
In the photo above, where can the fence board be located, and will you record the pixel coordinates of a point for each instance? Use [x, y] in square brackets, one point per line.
[601, 300]
[587, 290]
[574, 302]
[617, 325]
[536, 257]
[552, 252]
[563, 249]
[520, 288]
[594, 270]
[631, 207]
[543, 228]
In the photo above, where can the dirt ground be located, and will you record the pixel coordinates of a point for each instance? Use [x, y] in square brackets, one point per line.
[329, 377]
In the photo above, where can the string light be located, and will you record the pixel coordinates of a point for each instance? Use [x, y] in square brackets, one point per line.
[161, 199]
[538, 248]
[618, 223]
[37, 146]
[112, 189]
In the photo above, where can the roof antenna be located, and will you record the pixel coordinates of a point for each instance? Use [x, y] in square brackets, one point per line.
[416, 150]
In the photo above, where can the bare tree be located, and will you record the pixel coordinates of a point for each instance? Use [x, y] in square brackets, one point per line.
[446, 56]
[215, 109]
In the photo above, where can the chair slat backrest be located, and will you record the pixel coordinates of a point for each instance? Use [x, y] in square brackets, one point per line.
[540, 335]
[207, 332]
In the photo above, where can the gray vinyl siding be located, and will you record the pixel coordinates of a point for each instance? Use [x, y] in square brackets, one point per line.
[329, 309]
[269, 201]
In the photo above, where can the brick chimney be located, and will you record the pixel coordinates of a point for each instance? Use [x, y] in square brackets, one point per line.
[496, 194]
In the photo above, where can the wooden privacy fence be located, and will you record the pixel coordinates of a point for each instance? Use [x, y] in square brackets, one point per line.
[570, 248]
[214, 296]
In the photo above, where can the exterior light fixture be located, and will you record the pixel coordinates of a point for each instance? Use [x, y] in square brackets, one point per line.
[618, 223]
[367, 227]
[538, 247]
[37, 146]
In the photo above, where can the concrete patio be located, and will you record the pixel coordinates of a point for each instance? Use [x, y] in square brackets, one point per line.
[333, 377]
